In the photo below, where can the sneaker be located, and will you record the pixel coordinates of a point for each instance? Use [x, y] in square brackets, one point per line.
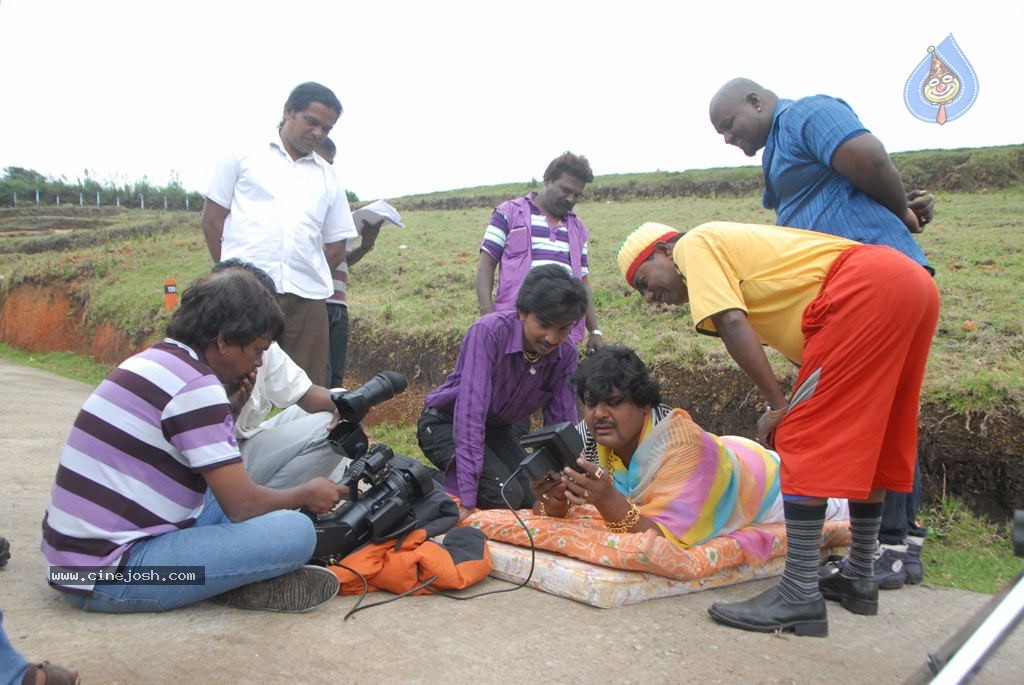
[833, 565]
[300, 591]
[889, 566]
[5, 551]
[913, 565]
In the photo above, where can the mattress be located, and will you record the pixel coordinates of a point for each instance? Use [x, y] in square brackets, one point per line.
[579, 559]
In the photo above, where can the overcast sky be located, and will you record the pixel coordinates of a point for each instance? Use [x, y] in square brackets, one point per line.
[444, 94]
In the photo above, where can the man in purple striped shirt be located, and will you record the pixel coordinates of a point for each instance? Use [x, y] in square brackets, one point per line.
[539, 228]
[151, 475]
[511, 364]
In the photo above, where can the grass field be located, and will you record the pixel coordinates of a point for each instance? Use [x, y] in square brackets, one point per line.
[420, 279]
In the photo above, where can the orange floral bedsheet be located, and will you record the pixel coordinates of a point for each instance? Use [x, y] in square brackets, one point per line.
[582, 535]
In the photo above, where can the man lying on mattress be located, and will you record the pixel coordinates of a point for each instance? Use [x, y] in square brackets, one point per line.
[651, 467]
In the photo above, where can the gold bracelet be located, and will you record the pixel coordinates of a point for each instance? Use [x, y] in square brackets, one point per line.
[631, 518]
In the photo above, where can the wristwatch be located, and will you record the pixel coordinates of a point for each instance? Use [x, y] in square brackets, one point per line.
[596, 332]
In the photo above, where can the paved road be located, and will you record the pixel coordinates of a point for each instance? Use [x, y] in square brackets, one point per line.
[520, 636]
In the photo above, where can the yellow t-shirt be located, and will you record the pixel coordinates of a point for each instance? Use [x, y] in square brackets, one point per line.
[770, 272]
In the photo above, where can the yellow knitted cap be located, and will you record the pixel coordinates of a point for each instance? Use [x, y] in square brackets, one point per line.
[640, 245]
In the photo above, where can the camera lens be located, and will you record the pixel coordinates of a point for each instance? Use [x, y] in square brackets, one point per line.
[353, 406]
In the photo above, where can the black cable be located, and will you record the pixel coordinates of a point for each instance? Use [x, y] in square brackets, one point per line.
[533, 552]
[366, 589]
[357, 606]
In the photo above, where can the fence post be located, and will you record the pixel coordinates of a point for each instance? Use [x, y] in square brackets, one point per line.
[142, 201]
[118, 200]
[186, 201]
[15, 199]
[97, 198]
[170, 294]
[37, 195]
[81, 199]
[58, 199]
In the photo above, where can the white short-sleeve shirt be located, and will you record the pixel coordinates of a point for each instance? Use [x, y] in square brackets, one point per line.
[281, 214]
[280, 382]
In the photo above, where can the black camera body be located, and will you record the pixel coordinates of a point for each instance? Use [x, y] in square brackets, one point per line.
[383, 512]
[386, 509]
[550, 449]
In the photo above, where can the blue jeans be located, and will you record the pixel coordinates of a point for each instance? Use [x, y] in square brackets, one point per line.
[12, 664]
[899, 513]
[233, 554]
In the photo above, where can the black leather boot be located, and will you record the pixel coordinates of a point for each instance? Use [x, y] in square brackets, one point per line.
[768, 613]
[859, 595]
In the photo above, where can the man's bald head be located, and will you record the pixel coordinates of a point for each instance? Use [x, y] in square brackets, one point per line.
[742, 112]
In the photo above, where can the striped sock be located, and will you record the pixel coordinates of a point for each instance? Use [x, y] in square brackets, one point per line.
[804, 523]
[865, 520]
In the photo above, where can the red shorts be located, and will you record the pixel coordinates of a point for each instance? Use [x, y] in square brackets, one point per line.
[852, 423]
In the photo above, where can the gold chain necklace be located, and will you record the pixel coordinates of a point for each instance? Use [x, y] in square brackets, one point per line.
[531, 359]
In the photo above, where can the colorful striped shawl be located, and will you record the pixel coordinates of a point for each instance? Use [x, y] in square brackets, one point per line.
[694, 485]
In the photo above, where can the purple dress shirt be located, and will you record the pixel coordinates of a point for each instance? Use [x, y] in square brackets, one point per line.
[492, 386]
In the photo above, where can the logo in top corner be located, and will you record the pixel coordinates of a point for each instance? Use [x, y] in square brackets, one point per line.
[943, 86]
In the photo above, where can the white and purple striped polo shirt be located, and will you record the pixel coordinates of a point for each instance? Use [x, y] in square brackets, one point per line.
[132, 465]
[547, 245]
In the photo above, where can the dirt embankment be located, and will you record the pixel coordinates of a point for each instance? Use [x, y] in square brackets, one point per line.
[978, 458]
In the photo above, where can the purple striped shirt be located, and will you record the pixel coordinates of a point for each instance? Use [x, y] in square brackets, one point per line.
[492, 385]
[549, 245]
[132, 466]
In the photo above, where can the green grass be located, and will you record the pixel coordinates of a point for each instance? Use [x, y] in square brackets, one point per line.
[976, 245]
[967, 552]
[76, 366]
[399, 437]
[419, 282]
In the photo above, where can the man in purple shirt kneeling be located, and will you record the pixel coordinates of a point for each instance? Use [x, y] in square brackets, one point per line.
[511, 364]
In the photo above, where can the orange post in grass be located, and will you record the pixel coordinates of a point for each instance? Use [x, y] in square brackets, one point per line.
[170, 294]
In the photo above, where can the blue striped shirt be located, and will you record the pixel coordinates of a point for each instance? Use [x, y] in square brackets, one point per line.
[806, 192]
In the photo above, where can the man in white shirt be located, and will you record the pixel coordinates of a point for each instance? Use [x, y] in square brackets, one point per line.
[281, 207]
[291, 448]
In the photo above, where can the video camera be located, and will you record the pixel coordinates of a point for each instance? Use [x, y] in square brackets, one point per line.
[550, 449]
[386, 509]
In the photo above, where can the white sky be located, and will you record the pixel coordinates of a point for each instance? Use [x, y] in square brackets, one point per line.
[444, 94]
